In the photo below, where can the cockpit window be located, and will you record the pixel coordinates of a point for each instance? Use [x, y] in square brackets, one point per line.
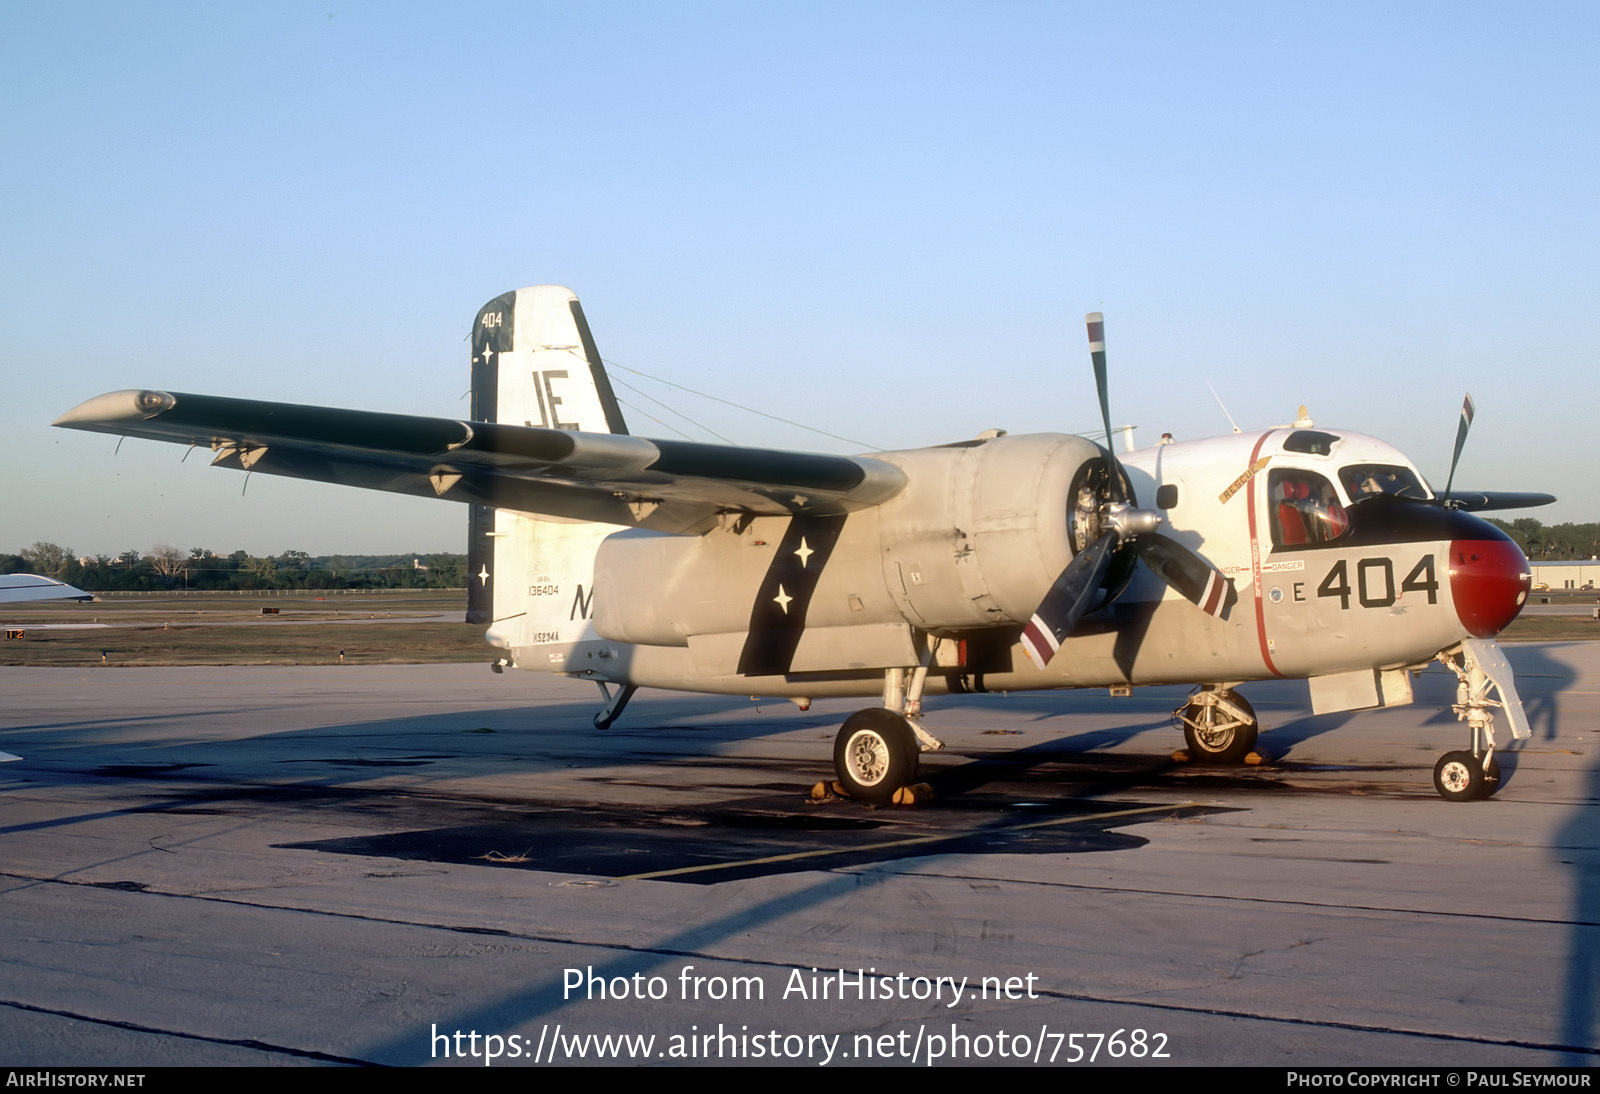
[1365, 480]
[1305, 509]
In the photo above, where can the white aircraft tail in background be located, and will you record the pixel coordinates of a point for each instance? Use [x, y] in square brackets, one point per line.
[21, 588]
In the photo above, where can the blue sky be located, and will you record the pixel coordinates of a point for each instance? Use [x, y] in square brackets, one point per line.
[884, 220]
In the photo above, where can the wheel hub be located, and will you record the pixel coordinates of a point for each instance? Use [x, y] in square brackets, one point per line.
[867, 756]
[1206, 728]
[1455, 777]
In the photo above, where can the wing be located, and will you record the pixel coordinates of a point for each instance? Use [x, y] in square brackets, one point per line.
[668, 486]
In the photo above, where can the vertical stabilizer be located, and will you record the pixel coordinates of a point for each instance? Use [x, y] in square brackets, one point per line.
[534, 363]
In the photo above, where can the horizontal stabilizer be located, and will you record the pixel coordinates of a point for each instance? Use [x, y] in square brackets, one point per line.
[1478, 501]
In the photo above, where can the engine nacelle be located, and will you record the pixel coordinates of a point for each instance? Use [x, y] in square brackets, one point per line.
[975, 539]
[983, 530]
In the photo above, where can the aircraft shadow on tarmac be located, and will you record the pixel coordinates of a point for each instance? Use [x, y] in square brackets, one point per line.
[743, 840]
[1042, 799]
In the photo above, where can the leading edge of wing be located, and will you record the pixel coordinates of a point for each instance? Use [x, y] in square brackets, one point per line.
[614, 478]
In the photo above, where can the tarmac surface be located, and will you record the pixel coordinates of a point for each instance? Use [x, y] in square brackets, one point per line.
[283, 866]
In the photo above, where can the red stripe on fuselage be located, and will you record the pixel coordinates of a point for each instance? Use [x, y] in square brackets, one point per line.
[1255, 562]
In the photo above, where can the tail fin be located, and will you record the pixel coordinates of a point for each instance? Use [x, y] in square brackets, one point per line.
[534, 363]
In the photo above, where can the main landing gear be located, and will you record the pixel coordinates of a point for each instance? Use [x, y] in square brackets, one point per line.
[877, 751]
[1470, 774]
[1219, 725]
[875, 754]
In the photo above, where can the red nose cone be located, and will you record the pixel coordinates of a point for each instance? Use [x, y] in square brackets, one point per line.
[1489, 581]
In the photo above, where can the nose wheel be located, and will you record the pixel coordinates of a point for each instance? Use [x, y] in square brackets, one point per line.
[1463, 777]
[1219, 726]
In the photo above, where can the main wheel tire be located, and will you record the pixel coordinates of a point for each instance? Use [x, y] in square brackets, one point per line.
[1459, 777]
[875, 754]
[1213, 742]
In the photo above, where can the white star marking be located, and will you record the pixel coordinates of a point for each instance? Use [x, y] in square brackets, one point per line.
[483, 575]
[804, 552]
[783, 600]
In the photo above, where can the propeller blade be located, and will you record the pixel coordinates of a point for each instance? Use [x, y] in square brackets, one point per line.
[1097, 355]
[1477, 501]
[1199, 582]
[1068, 599]
[1461, 439]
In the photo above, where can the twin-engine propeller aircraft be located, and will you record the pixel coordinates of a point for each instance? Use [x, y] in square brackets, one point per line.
[996, 563]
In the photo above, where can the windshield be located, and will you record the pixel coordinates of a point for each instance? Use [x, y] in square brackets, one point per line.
[1365, 480]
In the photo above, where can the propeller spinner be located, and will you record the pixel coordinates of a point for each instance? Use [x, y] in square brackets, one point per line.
[1125, 528]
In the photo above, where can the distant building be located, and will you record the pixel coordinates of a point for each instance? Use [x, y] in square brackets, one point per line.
[1566, 575]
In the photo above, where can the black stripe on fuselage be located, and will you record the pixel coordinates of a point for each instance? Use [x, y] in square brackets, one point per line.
[778, 616]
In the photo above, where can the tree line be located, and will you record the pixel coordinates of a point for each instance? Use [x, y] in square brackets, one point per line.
[166, 567]
[1554, 542]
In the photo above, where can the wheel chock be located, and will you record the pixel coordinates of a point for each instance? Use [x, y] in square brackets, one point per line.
[915, 794]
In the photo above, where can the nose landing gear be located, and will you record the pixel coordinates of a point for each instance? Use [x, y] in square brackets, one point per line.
[1481, 670]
